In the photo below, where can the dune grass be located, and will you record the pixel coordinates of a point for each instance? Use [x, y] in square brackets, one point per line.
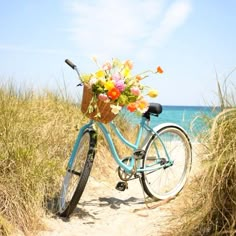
[37, 132]
[210, 200]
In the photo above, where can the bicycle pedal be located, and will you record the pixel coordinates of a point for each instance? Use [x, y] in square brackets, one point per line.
[121, 186]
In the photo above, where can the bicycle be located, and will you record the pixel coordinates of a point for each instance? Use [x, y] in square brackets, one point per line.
[161, 159]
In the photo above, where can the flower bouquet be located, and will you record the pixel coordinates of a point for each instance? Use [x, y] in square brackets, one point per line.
[112, 87]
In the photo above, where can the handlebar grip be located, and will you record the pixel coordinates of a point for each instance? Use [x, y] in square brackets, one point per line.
[71, 64]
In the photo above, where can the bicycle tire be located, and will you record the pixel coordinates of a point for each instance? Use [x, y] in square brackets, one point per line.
[167, 181]
[76, 178]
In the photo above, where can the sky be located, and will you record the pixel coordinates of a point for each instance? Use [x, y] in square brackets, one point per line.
[192, 40]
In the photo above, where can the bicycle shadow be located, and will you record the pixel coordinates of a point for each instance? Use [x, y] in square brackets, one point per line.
[90, 209]
[82, 214]
[116, 203]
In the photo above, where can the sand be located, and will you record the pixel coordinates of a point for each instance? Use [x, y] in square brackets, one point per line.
[104, 211]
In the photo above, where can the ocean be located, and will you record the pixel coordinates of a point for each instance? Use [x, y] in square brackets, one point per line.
[191, 118]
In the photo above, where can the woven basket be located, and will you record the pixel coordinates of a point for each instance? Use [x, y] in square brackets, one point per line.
[103, 107]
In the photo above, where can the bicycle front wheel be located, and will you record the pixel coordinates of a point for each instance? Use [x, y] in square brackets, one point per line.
[77, 175]
[168, 158]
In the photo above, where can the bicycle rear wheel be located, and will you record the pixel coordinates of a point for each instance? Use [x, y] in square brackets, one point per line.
[169, 174]
[77, 176]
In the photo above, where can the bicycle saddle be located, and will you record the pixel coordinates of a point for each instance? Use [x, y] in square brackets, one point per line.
[154, 109]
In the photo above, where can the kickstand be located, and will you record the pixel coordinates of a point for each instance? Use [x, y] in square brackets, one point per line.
[144, 196]
[159, 203]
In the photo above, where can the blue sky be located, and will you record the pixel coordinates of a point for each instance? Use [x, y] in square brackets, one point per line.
[193, 40]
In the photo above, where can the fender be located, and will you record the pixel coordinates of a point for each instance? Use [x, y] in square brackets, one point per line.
[161, 126]
[157, 128]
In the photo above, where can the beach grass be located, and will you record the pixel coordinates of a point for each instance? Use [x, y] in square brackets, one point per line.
[37, 132]
[210, 199]
[36, 135]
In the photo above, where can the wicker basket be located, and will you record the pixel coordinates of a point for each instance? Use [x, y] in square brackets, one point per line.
[103, 108]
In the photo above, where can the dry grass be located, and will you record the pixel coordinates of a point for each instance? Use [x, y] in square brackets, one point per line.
[36, 135]
[37, 132]
[104, 158]
[210, 200]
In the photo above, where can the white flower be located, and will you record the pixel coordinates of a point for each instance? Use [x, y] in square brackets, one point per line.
[142, 110]
[92, 81]
[115, 109]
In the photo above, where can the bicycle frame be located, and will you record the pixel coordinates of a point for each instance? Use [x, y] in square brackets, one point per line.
[134, 146]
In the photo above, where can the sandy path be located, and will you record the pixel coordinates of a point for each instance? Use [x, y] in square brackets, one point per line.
[105, 211]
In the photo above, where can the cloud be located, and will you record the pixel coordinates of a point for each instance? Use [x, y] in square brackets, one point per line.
[173, 18]
[121, 27]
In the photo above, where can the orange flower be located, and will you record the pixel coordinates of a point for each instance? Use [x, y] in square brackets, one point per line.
[159, 70]
[139, 77]
[113, 94]
[129, 64]
[132, 107]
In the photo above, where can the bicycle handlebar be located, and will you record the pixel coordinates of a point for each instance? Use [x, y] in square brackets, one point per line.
[71, 64]
[74, 67]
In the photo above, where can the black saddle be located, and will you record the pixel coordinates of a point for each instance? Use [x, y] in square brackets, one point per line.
[154, 109]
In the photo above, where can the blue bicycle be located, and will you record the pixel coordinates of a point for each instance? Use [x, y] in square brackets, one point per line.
[161, 159]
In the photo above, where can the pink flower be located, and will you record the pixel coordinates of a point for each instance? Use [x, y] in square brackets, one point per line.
[135, 91]
[106, 66]
[103, 97]
[116, 77]
[120, 84]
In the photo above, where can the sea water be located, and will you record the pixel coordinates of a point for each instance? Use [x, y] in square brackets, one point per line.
[193, 119]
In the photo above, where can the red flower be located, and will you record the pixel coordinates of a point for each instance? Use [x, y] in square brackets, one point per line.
[132, 107]
[113, 94]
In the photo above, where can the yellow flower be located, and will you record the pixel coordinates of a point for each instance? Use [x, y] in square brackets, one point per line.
[100, 73]
[117, 63]
[86, 77]
[109, 85]
[142, 105]
[126, 72]
[102, 80]
[152, 93]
